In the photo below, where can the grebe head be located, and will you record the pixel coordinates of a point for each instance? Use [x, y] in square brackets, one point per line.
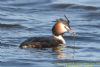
[61, 26]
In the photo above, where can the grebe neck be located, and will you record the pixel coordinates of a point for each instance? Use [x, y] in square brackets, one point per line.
[60, 37]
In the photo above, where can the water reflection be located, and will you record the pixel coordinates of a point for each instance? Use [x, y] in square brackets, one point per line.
[60, 53]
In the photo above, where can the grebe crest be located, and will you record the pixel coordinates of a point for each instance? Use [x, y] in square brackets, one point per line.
[61, 26]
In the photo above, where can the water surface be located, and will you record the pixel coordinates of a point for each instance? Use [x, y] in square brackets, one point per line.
[21, 19]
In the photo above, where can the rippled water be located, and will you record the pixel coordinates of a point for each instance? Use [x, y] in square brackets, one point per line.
[21, 19]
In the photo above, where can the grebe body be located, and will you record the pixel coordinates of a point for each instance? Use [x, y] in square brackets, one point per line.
[61, 26]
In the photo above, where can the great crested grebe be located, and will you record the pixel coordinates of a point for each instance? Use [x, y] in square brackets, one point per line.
[61, 26]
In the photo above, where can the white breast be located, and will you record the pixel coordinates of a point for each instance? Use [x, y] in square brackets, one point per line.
[60, 38]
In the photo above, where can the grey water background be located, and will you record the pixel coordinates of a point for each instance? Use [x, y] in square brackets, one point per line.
[21, 19]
